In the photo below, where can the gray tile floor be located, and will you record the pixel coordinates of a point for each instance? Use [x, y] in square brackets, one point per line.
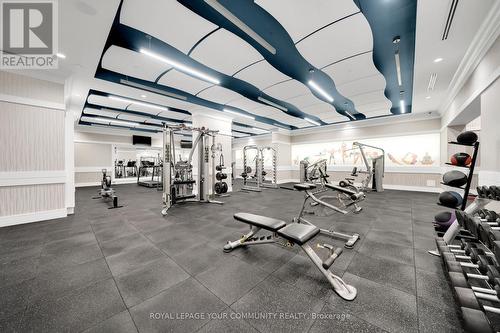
[110, 270]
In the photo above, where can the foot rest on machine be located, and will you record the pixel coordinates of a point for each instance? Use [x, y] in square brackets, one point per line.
[304, 187]
[259, 221]
[298, 233]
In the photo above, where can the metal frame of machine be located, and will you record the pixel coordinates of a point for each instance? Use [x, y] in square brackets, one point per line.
[374, 173]
[255, 182]
[178, 181]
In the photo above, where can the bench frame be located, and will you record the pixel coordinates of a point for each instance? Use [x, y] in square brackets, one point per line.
[343, 289]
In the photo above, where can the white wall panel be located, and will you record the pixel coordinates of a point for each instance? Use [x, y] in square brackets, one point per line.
[92, 154]
[27, 87]
[31, 138]
[18, 200]
[225, 52]
[302, 17]
[167, 20]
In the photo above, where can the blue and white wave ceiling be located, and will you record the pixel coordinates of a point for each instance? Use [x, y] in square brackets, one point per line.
[270, 63]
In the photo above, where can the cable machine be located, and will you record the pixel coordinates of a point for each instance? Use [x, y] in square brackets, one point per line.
[178, 180]
[373, 180]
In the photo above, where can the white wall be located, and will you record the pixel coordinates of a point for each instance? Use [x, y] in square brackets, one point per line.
[33, 129]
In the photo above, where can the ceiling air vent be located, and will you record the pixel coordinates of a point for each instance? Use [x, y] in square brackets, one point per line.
[432, 82]
[449, 19]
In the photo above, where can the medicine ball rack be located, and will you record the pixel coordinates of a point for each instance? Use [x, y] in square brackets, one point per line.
[471, 167]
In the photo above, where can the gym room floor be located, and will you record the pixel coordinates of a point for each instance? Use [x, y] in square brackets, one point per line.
[106, 270]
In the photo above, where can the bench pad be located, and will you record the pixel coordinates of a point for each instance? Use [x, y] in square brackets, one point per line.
[304, 187]
[298, 233]
[259, 221]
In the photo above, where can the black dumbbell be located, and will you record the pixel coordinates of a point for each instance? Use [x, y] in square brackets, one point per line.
[475, 321]
[454, 265]
[468, 298]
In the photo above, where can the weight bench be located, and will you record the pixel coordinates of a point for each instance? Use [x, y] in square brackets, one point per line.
[289, 235]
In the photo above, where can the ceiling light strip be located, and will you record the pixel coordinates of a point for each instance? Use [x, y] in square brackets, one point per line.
[181, 67]
[402, 106]
[312, 121]
[150, 89]
[320, 90]
[239, 114]
[131, 101]
[264, 100]
[240, 24]
[398, 67]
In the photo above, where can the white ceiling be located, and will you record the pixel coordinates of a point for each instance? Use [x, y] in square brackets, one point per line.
[356, 78]
[431, 19]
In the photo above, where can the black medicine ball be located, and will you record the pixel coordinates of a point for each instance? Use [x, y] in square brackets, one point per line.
[450, 199]
[467, 138]
[455, 178]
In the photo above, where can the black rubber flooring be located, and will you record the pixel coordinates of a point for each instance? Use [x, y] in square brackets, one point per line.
[130, 269]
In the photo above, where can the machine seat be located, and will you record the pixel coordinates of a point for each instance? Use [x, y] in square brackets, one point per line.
[299, 233]
[303, 186]
[259, 221]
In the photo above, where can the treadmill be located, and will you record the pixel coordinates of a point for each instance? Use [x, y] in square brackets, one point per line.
[154, 182]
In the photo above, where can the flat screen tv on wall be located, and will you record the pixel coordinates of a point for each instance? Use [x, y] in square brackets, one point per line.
[141, 140]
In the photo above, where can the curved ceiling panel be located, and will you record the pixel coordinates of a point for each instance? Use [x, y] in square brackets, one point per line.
[338, 41]
[244, 104]
[312, 14]
[219, 94]
[357, 77]
[377, 106]
[121, 60]
[333, 118]
[167, 20]
[174, 115]
[97, 112]
[131, 117]
[261, 75]
[287, 90]
[225, 52]
[319, 109]
[184, 82]
[107, 102]
[303, 101]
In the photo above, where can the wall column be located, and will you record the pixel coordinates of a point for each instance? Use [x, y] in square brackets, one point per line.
[490, 138]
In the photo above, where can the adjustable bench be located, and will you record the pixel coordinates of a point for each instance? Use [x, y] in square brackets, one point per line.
[292, 234]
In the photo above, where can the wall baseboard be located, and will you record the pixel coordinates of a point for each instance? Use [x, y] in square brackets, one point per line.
[413, 188]
[6, 221]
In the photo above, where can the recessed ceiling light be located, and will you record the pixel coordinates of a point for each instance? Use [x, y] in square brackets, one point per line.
[181, 67]
[116, 121]
[438, 59]
[60, 55]
[320, 90]
[240, 24]
[398, 68]
[238, 114]
[312, 121]
[402, 106]
[427, 97]
[143, 96]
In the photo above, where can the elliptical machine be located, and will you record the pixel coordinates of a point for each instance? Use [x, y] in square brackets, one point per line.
[106, 191]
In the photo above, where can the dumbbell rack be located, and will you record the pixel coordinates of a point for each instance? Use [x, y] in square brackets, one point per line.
[471, 167]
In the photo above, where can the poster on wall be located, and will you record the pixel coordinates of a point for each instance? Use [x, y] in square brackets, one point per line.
[401, 151]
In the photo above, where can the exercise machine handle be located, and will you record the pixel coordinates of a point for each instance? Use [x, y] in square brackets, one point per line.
[355, 196]
[331, 259]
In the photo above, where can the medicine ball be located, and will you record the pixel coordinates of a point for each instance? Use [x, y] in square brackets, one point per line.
[455, 178]
[450, 199]
[467, 138]
[461, 159]
[443, 220]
